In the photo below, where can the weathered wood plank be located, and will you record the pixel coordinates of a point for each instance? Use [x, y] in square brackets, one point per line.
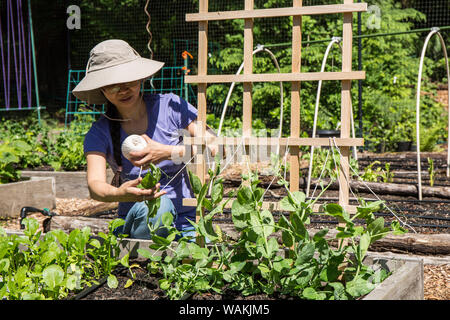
[277, 12]
[264, 141]
[276, 77]
[37, 192]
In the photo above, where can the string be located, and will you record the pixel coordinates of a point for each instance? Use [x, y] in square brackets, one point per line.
[376, 196]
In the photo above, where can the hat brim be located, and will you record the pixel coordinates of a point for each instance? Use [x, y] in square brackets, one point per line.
[88, 89]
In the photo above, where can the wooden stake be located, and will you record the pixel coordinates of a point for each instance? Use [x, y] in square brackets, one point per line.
[346, 104]
[201, 98]
[248, 86]
[294, 155]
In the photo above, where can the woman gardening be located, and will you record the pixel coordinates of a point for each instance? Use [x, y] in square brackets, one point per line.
[114, 75]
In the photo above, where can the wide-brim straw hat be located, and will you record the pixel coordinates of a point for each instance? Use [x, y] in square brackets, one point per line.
[110, 62]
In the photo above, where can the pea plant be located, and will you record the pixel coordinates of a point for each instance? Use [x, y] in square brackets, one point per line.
[299, 264]
[184, 266]
[149, 181]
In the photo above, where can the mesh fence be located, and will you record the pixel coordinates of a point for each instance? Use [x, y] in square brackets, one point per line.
[60, 49]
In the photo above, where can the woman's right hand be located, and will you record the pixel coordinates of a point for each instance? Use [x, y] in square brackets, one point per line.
[129, 192]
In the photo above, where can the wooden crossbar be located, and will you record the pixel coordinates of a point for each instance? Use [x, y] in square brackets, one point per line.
[277, 12]
[268, 141]
[276, 77]
[268, 205]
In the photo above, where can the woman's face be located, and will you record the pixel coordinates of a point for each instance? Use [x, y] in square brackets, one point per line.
[123, 94]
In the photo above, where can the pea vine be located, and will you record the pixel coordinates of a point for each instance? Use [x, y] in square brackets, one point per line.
[298, 264]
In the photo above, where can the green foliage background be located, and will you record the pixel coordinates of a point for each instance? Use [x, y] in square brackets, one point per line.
[391, 64]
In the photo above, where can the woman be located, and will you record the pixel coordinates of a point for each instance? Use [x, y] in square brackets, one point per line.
[114, 75]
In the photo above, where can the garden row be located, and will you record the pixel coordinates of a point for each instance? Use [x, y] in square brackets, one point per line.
[59, 265]
[26, 145]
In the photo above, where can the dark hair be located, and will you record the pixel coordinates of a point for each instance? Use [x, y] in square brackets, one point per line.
[114, 129]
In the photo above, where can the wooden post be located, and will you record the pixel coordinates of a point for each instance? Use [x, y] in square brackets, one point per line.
[247, 86]
[346, 104]
[294, 172]
[201, 94]
[201, 98]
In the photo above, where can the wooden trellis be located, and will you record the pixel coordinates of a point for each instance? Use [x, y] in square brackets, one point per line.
[295, 77]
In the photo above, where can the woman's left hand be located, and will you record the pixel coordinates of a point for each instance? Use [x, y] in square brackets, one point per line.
[154, 152]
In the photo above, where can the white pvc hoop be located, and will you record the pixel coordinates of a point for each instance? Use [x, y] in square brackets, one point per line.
[259, 48]
[334, 40]
[419, 174]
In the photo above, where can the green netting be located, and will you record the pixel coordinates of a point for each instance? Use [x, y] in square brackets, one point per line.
[392, 28]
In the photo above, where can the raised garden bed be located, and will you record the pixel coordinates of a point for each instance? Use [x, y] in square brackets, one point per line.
[405, 283]
[35, 192]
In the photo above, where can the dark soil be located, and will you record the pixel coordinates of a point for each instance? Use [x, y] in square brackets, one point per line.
[145, 287]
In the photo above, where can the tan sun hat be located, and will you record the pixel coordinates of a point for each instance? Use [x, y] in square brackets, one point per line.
[110, 62]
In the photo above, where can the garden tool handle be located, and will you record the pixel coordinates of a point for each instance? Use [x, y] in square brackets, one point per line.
[26, 210]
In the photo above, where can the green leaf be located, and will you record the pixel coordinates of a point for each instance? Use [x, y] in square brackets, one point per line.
[264, 269]
[336, 210]
[167, 219]
[299, 229]
[331, 272]
[320, 234]
[376, 229]
[286, 236]
[245, 195]
[4, 265]
[237, 266]
[202, 285]
[112, 281]
[339, 291]
[311, 294]
[206, 229]
[164, 284]
[124, 260]
[306, 254]
[161, 240]
[151, 178]
[239, 214]
[95, 243]
[272, 247]
[198, 252]
[31, 226]
[397, 229]
[195, 182]
[115, 224]
[217, 192]
[48, 256]
[284, 264]
[358, 287]
[53, 276]
[128, 284]
[286, 205]
[71, 282]
[364, 243]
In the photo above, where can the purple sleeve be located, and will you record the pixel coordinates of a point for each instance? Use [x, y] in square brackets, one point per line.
[96, 139]
[183, 112]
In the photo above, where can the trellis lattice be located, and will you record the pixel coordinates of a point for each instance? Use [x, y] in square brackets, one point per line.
[344, 142]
